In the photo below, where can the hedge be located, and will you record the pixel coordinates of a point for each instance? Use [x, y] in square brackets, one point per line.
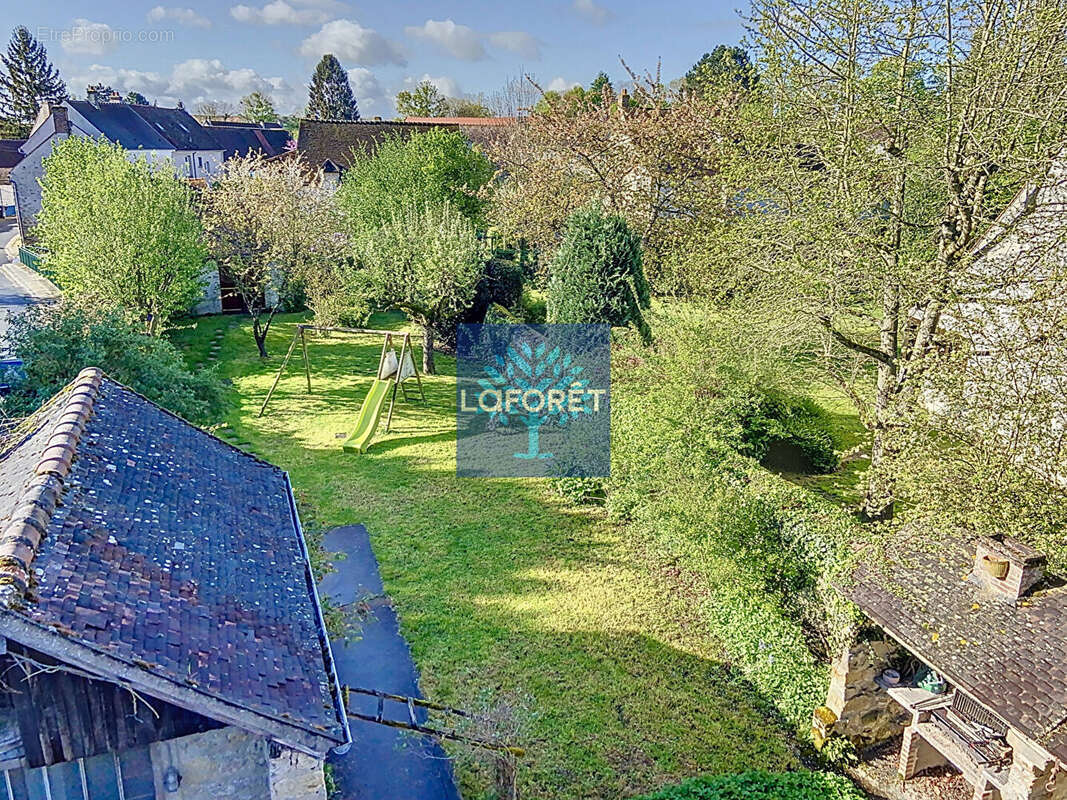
[763, 786]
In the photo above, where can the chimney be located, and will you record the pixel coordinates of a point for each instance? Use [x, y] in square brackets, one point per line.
[1006, 567]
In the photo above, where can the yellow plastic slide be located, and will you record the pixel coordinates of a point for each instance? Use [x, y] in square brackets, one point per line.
[367, 423]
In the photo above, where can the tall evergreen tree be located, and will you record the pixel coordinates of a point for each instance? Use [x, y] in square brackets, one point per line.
[331, 94]
[27, 79]
[724, 68]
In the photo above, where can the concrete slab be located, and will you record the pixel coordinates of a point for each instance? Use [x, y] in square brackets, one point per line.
[383, 763]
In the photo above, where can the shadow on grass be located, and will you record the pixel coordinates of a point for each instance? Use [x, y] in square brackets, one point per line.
[505, 593]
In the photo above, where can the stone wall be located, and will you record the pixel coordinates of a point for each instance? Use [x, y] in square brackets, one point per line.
[296, 776]
[866, 714]
[232, 764]
[211, 302]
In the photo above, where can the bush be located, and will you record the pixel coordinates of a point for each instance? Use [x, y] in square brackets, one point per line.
[763, 786]
[57, 342]
[764, 551]
[596, 275]
[120, 232]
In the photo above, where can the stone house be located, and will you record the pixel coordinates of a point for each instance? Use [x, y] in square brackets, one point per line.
[160, 632]
[992, 626]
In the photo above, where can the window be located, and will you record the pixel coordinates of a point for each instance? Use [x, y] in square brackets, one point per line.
[110, 776]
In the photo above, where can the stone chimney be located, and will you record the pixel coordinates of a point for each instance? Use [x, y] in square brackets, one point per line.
[1006, 567]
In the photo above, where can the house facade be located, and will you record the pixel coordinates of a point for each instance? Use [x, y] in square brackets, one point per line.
[160, 631]
[965, 663]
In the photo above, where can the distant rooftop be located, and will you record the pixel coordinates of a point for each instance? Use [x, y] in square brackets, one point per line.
[478, 122]
[1011, 657]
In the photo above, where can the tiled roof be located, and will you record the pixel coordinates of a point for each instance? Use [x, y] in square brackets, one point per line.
[473, 122]
[1011, 658]
[177, 126]
[322, 140]
[9, 152]
[119, 124]
[236, 140]
[168, 550]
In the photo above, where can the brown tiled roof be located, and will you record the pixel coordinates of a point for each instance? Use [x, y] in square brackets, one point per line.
[336, 140]
[473, 122]
[1011, 658]
[169, 551]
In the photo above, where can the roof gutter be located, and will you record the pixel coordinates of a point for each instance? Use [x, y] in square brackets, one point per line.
[338, 697]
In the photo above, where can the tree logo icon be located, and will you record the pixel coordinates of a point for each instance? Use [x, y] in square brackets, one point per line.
[550, 381]
[534, 388]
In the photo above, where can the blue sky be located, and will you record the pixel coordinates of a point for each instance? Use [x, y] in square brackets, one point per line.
[222, 50]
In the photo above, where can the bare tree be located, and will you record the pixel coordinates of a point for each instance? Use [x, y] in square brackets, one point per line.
[889, 136]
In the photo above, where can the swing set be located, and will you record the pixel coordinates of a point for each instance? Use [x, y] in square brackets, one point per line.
[393, 371]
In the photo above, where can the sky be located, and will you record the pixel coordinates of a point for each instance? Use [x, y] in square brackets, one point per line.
[221, 51]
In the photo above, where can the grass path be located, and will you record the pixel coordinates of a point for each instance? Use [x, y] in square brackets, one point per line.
[507, 595]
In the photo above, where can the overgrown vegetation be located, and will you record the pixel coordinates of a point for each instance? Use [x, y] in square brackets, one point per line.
[56, 342]
[763, 786]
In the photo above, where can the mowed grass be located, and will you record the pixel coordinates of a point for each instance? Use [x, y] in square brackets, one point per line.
[509, 597]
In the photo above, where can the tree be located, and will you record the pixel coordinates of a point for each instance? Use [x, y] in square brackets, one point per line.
[136, 99]
[119, 232]
[269, 226]
[891, 136]
[55, 342]
[330, 96]
[258, 107]
[724, 68]
[600, 89]
[28, 79]
[657, 170]
[425, 259]
[213, 109]
[596, 275]
[435, 165]
[422, 101]
[466, 107]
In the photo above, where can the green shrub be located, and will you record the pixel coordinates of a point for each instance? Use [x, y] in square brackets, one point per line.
[763, 786]
[56, 342]
[532, 307]
[764, 551]
[596, 275]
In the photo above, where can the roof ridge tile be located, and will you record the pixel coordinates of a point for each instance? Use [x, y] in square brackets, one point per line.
[22, 535]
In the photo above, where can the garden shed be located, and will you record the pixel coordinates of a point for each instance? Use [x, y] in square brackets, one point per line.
[972, 670]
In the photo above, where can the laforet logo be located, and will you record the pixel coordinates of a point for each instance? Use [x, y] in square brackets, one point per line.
[546, 383]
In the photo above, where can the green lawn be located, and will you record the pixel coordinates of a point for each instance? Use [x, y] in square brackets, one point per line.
[508, 596]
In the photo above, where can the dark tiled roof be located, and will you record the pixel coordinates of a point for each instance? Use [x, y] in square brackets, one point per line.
[240, 140]
[1011, 658]
[9, 152]
[320, 140]
[177, 126]
[119, 124]
[169, 550]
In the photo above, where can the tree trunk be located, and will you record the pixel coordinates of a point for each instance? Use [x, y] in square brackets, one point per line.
[428, 366]
[260, 335]
[878, 499]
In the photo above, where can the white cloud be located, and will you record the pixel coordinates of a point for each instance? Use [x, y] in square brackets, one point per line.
[183, 16]
[89, 38]
[517, 42]
[368, 91]
[467, 44]
[560, 85]
[592, 11]
[193, 81]
[457, 40]
[350, 41]
[279, 12]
